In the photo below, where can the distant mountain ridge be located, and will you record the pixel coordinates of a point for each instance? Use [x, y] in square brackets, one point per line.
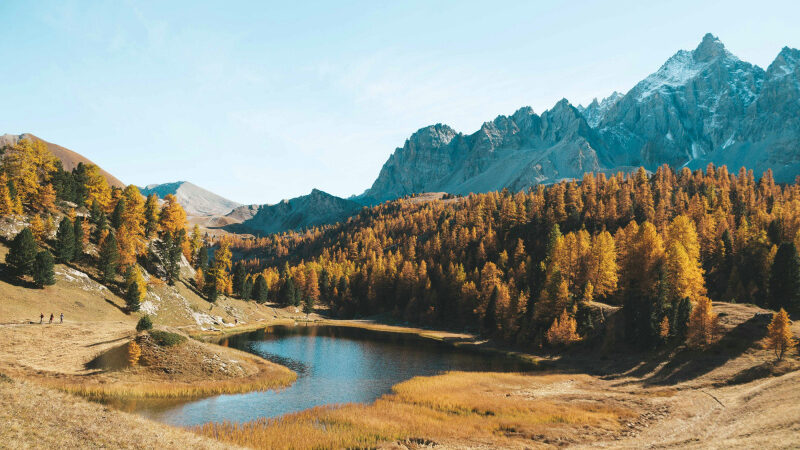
[316, 208]
[701, 106]
[195, 200]
[69, 159]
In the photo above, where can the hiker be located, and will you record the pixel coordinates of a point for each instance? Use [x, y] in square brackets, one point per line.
[51, 317]
[41, 318]
[62, 317]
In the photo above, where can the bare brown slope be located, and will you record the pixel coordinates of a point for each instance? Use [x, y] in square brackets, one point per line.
[69, 159]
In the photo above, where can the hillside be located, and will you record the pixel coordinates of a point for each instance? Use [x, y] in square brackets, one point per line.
[702, 106]
[69, 159]
[195, 200]
[316, 208]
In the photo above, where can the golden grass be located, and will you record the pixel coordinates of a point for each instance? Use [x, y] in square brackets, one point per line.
[172, 389]
[491, 408]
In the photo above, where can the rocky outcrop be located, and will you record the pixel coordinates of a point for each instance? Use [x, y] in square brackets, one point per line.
[511, 151]
[702, 106]
[195, 200]
[316, 208]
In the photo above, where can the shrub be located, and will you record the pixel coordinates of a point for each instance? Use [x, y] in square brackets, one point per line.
[144, 324]
[166, 339]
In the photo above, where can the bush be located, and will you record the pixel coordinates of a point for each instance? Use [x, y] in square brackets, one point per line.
[166, 339]
[144, 324]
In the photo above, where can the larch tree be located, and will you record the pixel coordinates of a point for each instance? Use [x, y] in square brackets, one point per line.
[563, 331]
[604, 270]
[6, 203]
[779, 334]
[96, 187]
[29, 164]
[38, 230]
[702, 324]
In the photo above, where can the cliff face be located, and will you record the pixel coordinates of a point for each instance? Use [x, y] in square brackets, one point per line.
[701, 106]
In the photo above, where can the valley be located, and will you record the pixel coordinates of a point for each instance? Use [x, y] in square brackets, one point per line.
[617, 275]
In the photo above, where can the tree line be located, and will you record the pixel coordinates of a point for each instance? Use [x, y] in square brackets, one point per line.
[528, 267]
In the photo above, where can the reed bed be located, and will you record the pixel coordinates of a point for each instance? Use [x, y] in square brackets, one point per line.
[492, 408]
[173, 389]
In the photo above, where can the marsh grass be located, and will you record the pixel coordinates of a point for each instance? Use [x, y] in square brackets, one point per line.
[457, 406]
[116, 391]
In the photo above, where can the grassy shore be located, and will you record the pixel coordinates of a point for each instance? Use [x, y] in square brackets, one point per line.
[496, 409]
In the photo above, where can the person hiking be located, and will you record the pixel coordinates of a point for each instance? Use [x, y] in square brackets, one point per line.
[62, 317]
[51, 317]
[41, 318]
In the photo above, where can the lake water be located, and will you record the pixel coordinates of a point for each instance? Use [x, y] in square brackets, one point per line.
[334, 365]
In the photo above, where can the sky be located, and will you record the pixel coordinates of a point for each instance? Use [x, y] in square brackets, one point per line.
[261, 101]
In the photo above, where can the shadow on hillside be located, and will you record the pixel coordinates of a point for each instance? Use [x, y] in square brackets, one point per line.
[112, 359]
[688, 364]
[7, 276]
[121, 308]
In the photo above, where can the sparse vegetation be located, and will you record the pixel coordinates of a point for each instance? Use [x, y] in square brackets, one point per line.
[166, 338]
[144, 324]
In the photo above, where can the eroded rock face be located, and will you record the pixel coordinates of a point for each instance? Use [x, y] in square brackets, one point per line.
[701, 106]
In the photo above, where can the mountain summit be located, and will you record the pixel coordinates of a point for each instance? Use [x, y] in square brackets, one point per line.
[701, 106]
[194, 199]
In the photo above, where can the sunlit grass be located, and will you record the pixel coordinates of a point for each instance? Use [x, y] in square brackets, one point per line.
[461, 406]
[174, 390]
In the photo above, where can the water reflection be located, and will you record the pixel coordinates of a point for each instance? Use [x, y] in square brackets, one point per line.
[334, 365]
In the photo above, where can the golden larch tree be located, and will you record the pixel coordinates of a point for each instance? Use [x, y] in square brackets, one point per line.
[702, 327]
[563, 331]
[97, 189]
[6, 204]
[779, 334]
[172, 217]
[134, 353]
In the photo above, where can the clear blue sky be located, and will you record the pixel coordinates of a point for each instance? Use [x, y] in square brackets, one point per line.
[261, 101]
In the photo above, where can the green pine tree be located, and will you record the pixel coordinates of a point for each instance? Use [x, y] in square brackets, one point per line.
[78, 233]
[132, 297]
[260, 289]
[43, 273]
[784, 279]
[109, 258]
[119, 211]
[65, 241]
[247, 289]
[22, 253]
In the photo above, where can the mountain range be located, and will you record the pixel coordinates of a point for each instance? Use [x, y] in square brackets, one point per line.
[701, 106]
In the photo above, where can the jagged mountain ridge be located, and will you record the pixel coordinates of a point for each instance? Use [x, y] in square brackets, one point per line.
[701, 106]
[316, 208]
[195, 200]
[69, 159]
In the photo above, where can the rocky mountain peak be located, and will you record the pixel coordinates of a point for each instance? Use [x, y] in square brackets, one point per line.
[710, 48]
